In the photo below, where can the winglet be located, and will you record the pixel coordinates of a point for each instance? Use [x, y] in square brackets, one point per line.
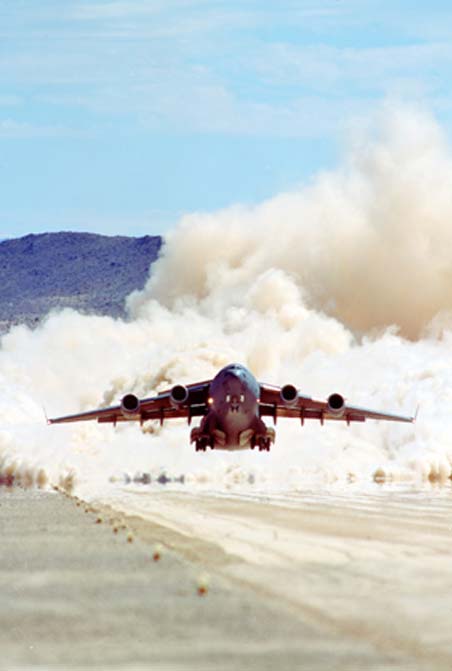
[416, 413]
[45, 415]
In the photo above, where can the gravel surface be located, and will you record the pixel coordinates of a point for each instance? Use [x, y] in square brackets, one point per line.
[354, 585]
[77, 595]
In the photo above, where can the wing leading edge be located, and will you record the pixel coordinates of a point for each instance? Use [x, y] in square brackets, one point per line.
[271, 404]
[160, 407]
[192, 401]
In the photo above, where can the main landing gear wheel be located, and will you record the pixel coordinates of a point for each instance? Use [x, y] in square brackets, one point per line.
[263, 441]
[264, 444]
[202, 440]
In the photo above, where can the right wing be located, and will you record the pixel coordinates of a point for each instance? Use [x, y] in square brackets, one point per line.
[303, 407]
[190, 401]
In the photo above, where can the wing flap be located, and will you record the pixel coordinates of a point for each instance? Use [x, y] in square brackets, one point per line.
[271, 405]
[157, 407]
[103, 414]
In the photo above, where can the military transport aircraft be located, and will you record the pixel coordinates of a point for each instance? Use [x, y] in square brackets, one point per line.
[231, 405]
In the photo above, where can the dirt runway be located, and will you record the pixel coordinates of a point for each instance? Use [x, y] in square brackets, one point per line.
[314, 582]
[372, 569]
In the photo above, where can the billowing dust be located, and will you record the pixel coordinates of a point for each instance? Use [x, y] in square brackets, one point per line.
[342, 285]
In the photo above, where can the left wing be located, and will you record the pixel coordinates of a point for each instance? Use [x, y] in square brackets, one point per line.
[179, 401]
[288, 402]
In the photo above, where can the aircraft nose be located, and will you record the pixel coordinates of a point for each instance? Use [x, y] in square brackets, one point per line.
[235, 403]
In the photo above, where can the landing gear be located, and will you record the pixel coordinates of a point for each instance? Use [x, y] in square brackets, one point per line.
[209, 435]
[263, 442]
[201, 445]
[202, 440]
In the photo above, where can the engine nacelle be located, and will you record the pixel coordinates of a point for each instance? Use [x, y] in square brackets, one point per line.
[336, 404]
[178, 395]
[130, 405]
[289, 394]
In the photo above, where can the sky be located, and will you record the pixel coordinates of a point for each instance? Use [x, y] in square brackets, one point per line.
[119, 117]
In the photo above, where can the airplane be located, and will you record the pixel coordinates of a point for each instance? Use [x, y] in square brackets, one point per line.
[231, 406]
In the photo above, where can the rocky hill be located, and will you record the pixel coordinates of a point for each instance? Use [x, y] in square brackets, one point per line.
[88, 272]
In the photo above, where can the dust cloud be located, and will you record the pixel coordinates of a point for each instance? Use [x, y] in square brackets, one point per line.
[368, 244]
[343, 285]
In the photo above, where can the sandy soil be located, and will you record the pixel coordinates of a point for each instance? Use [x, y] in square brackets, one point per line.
[373, 569]
[311, 582]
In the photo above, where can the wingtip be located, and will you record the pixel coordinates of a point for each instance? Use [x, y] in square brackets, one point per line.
[48, 421]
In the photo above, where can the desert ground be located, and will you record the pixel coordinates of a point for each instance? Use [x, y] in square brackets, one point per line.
[316, 580]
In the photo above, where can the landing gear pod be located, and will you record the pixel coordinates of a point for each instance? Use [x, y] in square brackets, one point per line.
[178, 395]
[130, 405]
[289, 394]
[336, 404]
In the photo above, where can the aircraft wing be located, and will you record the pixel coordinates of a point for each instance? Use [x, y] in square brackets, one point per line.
[161, 407]
[302, 407]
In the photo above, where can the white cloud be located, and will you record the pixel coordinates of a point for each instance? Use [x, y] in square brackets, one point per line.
[323, 66]
[11, 129]
[115, 10]
[185, 19]
[213, 67]
[126, 9]
[217, 110]
[10, 100]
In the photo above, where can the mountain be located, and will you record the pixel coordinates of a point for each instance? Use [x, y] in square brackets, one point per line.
[91, 273]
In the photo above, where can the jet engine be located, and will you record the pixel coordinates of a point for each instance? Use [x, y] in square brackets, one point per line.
[178, 395]
[130, 405]
[336, 404]
[289, 394]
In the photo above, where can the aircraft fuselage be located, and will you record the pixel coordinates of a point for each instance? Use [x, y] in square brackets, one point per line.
[232, 421]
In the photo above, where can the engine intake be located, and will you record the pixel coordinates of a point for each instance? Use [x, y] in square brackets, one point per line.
[336, 404]
[178, 395]
[289, 394]
[130, 404]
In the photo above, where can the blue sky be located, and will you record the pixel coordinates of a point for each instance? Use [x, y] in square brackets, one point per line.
[119, 116]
